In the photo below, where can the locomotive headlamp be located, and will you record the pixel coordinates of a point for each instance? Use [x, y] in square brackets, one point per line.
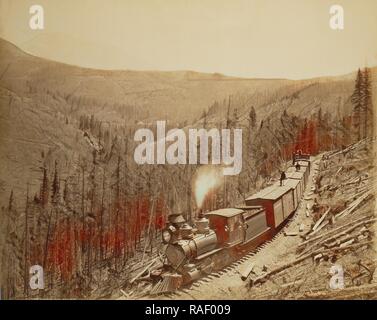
[167, 234]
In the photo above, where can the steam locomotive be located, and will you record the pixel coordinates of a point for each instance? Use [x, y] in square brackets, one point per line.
[219, 237]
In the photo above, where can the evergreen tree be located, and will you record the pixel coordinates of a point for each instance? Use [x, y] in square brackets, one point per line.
[55, 186]
[65, 191]
[228, 120]
[252, 117]
[43, 195]
[10, 205]
[366, 100]
[357, 100]
[235, 115]
[319, 117]
[204, 117]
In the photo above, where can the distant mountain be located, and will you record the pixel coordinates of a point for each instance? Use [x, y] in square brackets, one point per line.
[176, 95]
[41, 102]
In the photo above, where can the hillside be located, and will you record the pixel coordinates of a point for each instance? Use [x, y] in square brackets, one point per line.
[68, 181]
[38, 97]
[177, 92]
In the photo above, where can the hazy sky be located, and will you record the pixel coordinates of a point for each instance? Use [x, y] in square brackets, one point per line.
[249, 38]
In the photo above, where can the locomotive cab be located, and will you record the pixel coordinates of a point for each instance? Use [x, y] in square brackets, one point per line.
[228, 224]
[239, 225]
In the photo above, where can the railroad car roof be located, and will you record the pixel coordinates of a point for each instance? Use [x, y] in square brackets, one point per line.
[292, 182]
[264, 191]
[271, 193]
[292, 169]
[278, 192]
[245, 207]
[295, 175]
[250, 211]
[226, 212]
[303, 156]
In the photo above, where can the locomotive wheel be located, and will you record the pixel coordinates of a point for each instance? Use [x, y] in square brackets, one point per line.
[208, 266]
[222, 259]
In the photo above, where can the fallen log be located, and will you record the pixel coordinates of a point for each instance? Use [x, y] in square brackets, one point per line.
[143, 271]
[321, 219]
[265, 276]
[367, 218]
[124, 293]
[338, 171]
[353, 205]
[335, 236]
[317, 257]
[319, 228]
[344, 244]
[349, 148]
[338, 242]
[291, 233]
[357, 290]
[292, 283]
[246, 270]
[353, 181]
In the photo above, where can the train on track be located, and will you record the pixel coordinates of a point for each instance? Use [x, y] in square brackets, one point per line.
[218, 238]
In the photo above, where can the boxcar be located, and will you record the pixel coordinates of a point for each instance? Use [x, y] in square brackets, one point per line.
[300, 176]
[278, 202]
[305, 167]
[255, 221]
[296, 187]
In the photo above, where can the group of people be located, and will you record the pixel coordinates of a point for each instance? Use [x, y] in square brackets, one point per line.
[295, 155]
[283, 175]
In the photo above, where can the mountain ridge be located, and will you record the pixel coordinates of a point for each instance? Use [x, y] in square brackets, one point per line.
[215, 75]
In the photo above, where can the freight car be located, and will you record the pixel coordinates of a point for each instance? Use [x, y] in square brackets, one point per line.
[219, 237]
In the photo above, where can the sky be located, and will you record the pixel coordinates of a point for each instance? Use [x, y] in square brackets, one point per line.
[245, 38]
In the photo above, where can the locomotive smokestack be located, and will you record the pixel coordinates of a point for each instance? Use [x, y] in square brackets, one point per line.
[202, 223]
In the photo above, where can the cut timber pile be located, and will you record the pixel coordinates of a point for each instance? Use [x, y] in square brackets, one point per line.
[368, 291]
[351, 147]
[169, 283]
[315, 255]
[330, 236]
[146, 269]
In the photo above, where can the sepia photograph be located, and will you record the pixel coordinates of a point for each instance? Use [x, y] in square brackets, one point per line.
[164, 150]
